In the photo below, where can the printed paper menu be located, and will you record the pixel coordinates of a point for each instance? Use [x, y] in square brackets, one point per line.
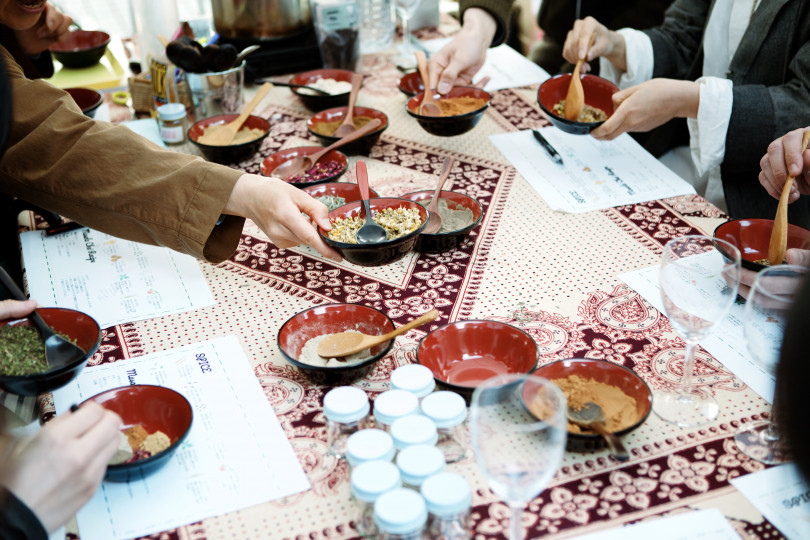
[236, 454]
[695, 525]
[783, 497]
[113, 280]
[594, 174]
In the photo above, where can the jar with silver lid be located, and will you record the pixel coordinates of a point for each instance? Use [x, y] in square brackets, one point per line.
[414, 429]
[400, 514]
[346, 410]
[419, 462]
[448, 499]
[369, 445]
[172, 123]
[393, 404]
[369, 481]
[413, 378]
[448, 411]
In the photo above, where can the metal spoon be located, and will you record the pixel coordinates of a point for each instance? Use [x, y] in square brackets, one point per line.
[370, 232]
[347, 343]
[591, 417]
[435, 220]
[575, 98]
[58, 351]
[246, 51]
[300, 164]
[428, 107]
[778, 244]
[291, 85]
[347, 127]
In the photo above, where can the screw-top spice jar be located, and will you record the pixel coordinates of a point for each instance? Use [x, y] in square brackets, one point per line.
[414, 429]
[369, 445]
[172, 123]
[369, 480]
[413, 378]
[448, 411]
[448, 498]
[346, 409]
[417, 463]
[393, 404]
[400, 514]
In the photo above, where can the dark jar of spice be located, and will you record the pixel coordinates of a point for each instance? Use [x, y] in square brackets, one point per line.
[337, 29]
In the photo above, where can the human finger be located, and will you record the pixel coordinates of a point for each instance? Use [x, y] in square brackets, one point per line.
[16, 308]
[304, 233]
[800, 257]
[449, 76]
[78, 422]
[483, 81]
[792, 143]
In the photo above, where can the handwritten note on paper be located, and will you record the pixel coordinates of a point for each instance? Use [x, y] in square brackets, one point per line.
[235, 456]
[594, 175]
[783, 497]
[727, 343]
[113, 280]
[694, 525]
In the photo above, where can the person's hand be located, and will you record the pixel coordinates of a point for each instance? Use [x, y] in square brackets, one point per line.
[649, 105]
[607, 43]
[459, 60]
[785, 158]
[57, 470]
[51, 27]
[14, 309]
[799, 257]
[276, 207]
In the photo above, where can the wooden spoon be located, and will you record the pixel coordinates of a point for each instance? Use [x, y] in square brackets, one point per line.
[435, 220]
[347, 127]
[347, 343]
[428, 107]
[224, 134]
[575, 98]
[778, 245]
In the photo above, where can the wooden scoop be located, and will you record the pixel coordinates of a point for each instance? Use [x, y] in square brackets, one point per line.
[347, 343]
[435, 220]
[778, 245]
[428, 107]
[347, 127]
[575, 98]
[223, 135]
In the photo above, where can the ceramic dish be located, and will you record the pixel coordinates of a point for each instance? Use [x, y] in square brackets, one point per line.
[598, 93]
[271, 162]
[753, 238]
[231, 153]
[446, 241]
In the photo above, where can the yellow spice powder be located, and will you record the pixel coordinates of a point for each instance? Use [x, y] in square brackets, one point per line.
[619, 408]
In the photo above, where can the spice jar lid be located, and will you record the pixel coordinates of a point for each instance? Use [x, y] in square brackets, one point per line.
[400, 511]
[414, 429]
[369, 445]
[413, 378]
[345, 404]
[171, 111]
[446, 494]
[417, 463]
[371, 479]
[394, 404]
[446, 409]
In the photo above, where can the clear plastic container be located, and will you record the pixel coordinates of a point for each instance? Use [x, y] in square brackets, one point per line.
[449, 412]
[337, 27]
[400, 514]
[346, 410]
[418, 463]
[369, 445]
[369, 480]
[413, 378]
[412, 430]
[448, 499]
[376, 25]
[393, 404]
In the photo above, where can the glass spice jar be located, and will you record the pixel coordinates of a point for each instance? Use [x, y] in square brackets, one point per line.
[369, 445]
[392, 405]
[448, 499]
[417, 463]
[414, 429]
[346, 410]
[413, 378]
[400, 514]
[172, 123]
[448, 411]
[368, 481]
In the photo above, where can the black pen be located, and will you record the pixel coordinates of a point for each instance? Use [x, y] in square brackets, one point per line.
[547, 145]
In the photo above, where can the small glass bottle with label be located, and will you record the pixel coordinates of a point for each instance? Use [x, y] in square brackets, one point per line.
[346, 410]
[369, 481]
[172, 123]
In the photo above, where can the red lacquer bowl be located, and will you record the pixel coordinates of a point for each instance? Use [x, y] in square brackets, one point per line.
[231, 153]
[753, 237]
[345, 190]
[360, 146]
[411, 84]
[81, 48]
[274, 160]
[87, 99]
[319, 102]
[446, 241]
[464, 354]
[449, 126]
[598, 93]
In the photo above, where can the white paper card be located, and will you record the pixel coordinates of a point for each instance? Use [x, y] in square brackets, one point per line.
[696, 525]
[594, 174]
[114, 281]
[783, 497]
[727, 343]
[236, 454]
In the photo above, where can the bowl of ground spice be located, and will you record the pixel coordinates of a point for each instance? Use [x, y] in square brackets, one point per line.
[244, 145]
[336, 82]
[462, 108]
[328, 169]
[624, 397]
[336, 194]
[753, 237]
[155, 420]
[597, 108]
[299, 336]
[460, 214]
[324, 124]
[23, 369]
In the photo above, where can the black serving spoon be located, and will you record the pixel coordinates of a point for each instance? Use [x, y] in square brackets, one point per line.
[291, 85]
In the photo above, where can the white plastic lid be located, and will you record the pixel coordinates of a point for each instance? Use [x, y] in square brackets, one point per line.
[373, 478]
[400, 511]
[369, 445]
[345, 404]
[417, 463]
[446, 409]
[414, 429]
[394, 404]
[413, 378]
[446, 494]
[171, 111]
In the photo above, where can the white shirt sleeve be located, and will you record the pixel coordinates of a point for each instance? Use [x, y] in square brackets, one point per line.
[707, 132]
[639, 54]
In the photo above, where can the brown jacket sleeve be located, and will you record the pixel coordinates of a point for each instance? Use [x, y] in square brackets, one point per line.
[111, 179]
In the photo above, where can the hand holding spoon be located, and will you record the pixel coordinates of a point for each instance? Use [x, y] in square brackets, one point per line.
[591, 417]
[575, 98]
[778, 245]
[347, 127]
[428, 107]
[435, 220]
[347, 343]
[370, 232]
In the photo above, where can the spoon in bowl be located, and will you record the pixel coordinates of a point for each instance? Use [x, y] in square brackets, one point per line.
[428, 107]
[347, 127]
[346, 343]
[435, 220]
[591, 417]
[370, 232]
[300, 164]
[575, 98]
[778, 244]
[291, 85]
[224, 134]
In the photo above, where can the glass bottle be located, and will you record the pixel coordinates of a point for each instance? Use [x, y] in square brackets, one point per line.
[346, 411]
[369, 480]
[400, 514]
[413, 378]
[369, 445]
[414, 429]
[448, 499]
[417, 463]
[393, 404]
[172, 123]
[448, 411]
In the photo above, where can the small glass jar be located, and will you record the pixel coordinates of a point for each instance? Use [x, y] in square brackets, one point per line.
[413, 378]
[346, 410]
[418, 463]
[448, 499]
[400, 514]
[369, 480]
[392, 405]
[448, 411]
[369, 445]
[172, 123]
[412, 430]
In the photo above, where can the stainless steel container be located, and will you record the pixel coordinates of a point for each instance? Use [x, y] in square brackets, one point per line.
[261, 19]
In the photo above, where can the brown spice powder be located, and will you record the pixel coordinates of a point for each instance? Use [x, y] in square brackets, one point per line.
[136, 435]
[329, 128]
[156, 442]
[460, 105]
[619, 408]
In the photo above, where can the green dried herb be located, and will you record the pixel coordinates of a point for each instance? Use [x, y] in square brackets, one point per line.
[22, 351]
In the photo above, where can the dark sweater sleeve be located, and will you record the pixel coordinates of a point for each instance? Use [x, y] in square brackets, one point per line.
[501, 11]
[17, 521]
[678, 40]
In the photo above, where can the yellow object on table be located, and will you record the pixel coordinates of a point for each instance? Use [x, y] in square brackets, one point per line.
[108, 73]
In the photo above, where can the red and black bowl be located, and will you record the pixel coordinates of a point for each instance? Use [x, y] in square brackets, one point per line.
[410, 84]
[598, 93]
[274, 160]
[87, 99]
[81, 48]
[450, 126]
[446, 241]
[229, 153]
[753, 237]
[319, 102]
[360, 146]
[345, 190]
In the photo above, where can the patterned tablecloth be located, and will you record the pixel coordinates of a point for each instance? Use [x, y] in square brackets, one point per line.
[552, 274]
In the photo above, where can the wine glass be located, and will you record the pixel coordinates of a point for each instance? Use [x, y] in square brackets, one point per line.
[699, 278]
[405, 10]
[518, 431]
[766, 312]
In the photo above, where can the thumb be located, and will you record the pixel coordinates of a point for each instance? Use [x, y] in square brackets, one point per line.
[448, 77]
[800, 257]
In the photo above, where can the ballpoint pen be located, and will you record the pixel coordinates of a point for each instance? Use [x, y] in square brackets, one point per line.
[549, 149]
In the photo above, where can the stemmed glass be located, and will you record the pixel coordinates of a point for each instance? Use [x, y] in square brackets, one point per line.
[518, 430]
[405, 10]
[766, 312]
[699, 279]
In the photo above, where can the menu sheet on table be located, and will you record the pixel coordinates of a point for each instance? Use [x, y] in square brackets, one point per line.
[114, 281]
[236, 454]
[594, 174]
[783, 497]
[727, 343]
[695, 525]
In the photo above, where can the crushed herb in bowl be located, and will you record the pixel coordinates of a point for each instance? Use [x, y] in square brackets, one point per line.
[319, 171]
[453, 219]
[329, 128]
[331, 201]
[22, 351]
[397, 222]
